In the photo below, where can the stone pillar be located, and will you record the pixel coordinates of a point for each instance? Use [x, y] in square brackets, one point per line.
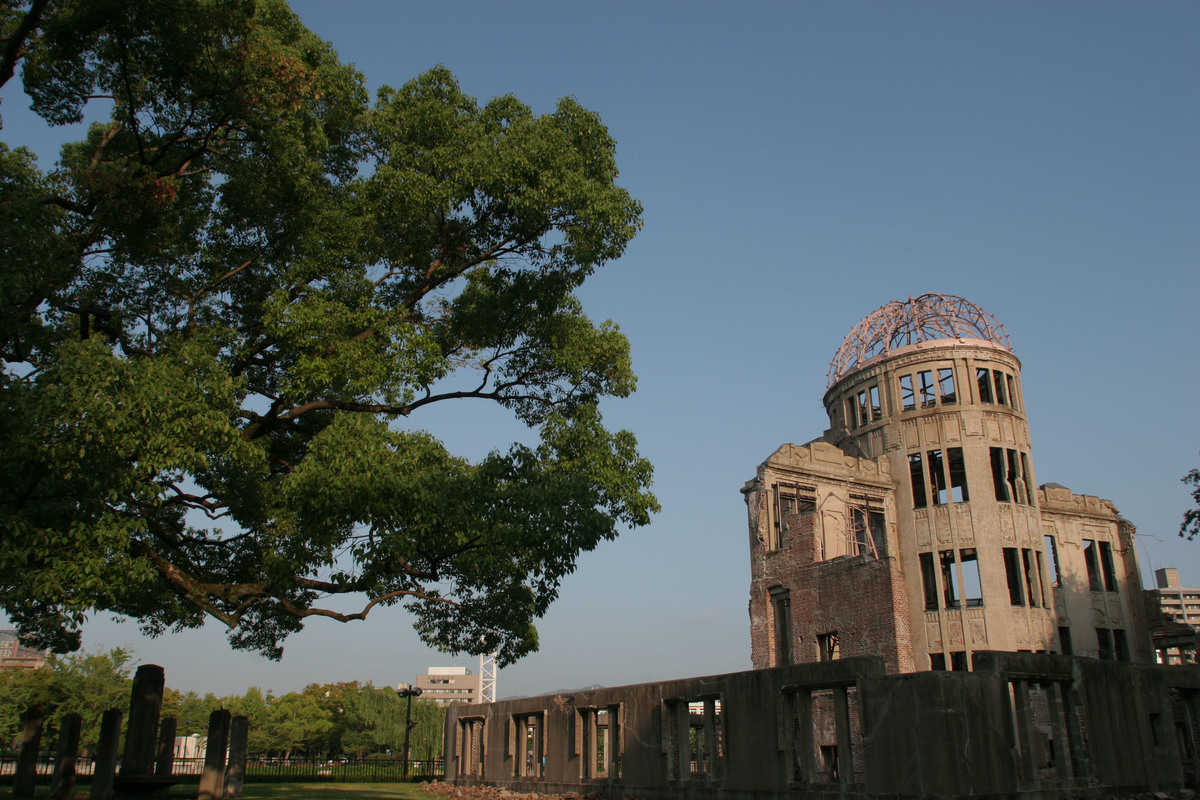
[235, 771]
[141, 736]
[164, 761]
[106, 755]
[212, 780]
[63, 782]
[31, 742]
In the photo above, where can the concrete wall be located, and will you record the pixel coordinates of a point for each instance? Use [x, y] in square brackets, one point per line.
[1019, 726]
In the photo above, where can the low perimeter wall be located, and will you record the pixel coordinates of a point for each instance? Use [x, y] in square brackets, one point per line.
[1019, 726]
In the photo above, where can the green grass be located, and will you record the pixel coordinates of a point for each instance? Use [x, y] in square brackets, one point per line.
[297, 791]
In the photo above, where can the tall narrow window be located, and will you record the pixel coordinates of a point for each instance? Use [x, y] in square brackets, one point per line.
[1104, 642]
[928, 395]
[1027, 476]
[984, 379]
[1064, 640]
[876, 406]
[1014, 477]
[1012, 570]
[1000, 398]
[1041, 571]
[1093, 565]
[999, 480]
[958, 475]
[1052, 551]
[949, 579]
[851, 414]
[1120, 645]
[972, 587]
[917, 475]
[958, 661]
[1032, 580]
[937, 478]
[781, 606]
[946, 386]
[1106, 563]
[1012, 395]
[929, 582]
[908, 398]
[863, 417]
[829, 646]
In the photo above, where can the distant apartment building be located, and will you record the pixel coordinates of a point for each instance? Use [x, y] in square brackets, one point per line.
[14, 654]
[1175, 631]
[444, 685]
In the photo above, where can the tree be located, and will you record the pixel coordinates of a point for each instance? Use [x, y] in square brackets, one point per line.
[1190, 526]
[228, 311]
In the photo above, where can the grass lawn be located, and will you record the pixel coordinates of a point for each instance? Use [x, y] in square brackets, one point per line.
[297, 791]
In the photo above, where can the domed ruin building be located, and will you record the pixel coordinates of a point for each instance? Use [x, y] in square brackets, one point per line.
[914, 528]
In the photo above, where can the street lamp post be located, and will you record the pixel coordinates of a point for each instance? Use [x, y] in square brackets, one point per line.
[408, 692]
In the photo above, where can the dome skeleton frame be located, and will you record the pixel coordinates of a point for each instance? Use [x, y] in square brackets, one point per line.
[903, 323]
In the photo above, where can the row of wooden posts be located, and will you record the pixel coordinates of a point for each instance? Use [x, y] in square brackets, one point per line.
[146, 767]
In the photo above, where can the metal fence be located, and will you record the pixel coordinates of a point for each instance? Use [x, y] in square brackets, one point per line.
[274, 770]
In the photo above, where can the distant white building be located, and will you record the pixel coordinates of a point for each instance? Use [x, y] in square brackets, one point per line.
[444, 685]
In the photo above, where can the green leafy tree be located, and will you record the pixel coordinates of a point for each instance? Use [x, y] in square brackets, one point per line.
[83, 683]
[1190, 526]
[301, 723]
[229, 310]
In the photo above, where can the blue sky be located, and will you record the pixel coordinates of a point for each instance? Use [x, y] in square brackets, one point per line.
[801, 164]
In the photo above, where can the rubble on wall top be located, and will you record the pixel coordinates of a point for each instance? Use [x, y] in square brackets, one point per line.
[902, 323]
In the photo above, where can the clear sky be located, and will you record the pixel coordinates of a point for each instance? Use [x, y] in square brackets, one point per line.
[802, 164]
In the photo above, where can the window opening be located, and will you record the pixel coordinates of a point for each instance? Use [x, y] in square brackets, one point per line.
[949, 579]
[917, 474]
[530, 757]
[928, 397]
[1052, 549]
[1032, 582]
[908, 398]
[1093, 567]
[1027, 475]
[929, 580]
[958, 475]
[1106, 563]
[968, 561]
[876, 406]
[1012, 570]
[937, 478]
[863, 417]
[1000, 398]
[1012, 395]
[1013, 477]
[946, 386]
[1041, 571]
[868, 529]
[958, 661]
[851, 422]
[1104, 641]
[781, 607]
[1120, 645]
[1064, 640]
[984, 379]
[829, 646]
[937, 662]
[998, 475]
[788, 501]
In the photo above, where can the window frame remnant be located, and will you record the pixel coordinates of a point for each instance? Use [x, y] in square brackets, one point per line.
[1104, 645]
[1052, 549]
[876, 403]
[972, 583]
[908, 394]
[788, 499]
[1108, 567]
[947, 563]
[1033, 579]
[868, 526]
[829, 646]
[999, 385]
[916, 471]
[983, 377]
[528, 744]
[929, 582]
[958, 475]
[927, 388]
[1012, 571]
[939, 490]
[999, 475]
[1092, 562]
[946, 388]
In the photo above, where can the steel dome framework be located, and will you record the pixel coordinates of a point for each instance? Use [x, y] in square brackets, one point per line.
[920, 319]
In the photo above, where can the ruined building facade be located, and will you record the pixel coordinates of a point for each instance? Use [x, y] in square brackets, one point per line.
[914, 528]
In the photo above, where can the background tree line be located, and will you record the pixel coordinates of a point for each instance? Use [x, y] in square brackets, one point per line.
[329, 720]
